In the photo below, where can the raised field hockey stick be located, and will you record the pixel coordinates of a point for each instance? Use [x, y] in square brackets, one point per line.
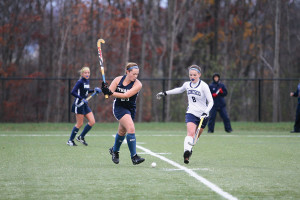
[87, 99]
[196, 137]
[101, 60]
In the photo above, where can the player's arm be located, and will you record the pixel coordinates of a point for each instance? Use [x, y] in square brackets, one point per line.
[209, 98]
[75, 89]
[178, 90]
[137, 86]
[114, 84]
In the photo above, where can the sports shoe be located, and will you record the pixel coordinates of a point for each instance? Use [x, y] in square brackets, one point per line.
[81, 140]
[137, 159]
[71, 143]
[186, 156]
[209, 131]
[114, 156]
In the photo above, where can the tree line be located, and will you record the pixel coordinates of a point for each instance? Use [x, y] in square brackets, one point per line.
[238, 39]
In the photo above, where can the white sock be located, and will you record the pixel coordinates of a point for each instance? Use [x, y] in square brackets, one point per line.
[187, 146]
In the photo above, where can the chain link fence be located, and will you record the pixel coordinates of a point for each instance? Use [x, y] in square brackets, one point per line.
[49, 100]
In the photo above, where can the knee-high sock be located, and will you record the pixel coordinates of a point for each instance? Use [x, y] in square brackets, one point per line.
[73, 133]
[86, 129]
[131, 141]
[118, 141]
[187, 146]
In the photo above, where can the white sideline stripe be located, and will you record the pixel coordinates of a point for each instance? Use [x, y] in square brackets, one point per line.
[67, 135]
[209, 184]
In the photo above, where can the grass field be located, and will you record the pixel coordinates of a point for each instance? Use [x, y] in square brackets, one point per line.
[256, 161]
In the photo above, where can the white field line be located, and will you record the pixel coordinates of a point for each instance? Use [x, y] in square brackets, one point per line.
[106, 135]
[195, 169]
[209, 184]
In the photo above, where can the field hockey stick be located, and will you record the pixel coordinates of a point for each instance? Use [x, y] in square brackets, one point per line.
[218, 91]
[196, 137]
[101, 60]
[87, 99]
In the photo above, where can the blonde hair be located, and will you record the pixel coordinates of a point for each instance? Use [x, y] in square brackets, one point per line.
[195, 67]
[129, 65]
[82, 70]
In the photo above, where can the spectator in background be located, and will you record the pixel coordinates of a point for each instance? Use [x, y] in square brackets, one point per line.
[218, 91]
[297, 120]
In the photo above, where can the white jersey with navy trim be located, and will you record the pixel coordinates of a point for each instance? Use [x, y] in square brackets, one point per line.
[199, 97]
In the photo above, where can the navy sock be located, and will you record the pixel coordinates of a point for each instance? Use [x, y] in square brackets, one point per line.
[86, 129]
[131, 141]
[118, 141]
[73, 133]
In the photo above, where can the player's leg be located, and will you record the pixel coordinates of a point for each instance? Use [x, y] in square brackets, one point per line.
[226, 120]
[79, 123]
[191, 128]
[212, 118]
[297, 120]
[119, 138]
[127, 122]
[87, 128]
[118, 112]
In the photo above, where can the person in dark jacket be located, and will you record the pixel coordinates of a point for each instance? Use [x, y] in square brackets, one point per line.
[297, 120]
[218, 91]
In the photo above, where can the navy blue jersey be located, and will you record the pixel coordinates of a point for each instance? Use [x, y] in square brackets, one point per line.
[219, 101]
[129, 103]
[81, 90]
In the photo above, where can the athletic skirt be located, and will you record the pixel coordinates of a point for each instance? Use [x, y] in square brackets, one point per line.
[120, 111]
[196, 120]
[84, 109]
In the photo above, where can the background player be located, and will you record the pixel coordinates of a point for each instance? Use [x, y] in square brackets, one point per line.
[198, 94]
[218, 91]
[297, 120]
[125, 89]
[80, 92]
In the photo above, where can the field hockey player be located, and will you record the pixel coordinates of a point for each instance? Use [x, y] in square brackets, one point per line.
[81, 110]
[125, 89]
[198, 94]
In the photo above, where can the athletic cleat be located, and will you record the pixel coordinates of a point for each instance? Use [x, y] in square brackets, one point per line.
[114, 156]
[186, 156]
[71, 143]
[81, 140]
[137, 159]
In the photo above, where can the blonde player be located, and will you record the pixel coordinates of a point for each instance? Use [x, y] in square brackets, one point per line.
[200, 102]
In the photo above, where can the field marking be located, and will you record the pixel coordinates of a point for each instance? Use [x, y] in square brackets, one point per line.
[106, 135]
[206, 182]
[157, 153]
[195, 169]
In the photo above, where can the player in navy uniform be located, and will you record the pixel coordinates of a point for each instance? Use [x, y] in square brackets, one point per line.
[297, 120]
[218, 91]
[125, 89]
[80, 107]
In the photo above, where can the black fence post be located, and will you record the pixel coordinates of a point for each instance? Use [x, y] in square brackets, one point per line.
[164, 102]
[69, 100]
[259, 100]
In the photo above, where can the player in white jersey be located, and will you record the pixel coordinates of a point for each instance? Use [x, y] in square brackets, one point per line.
[200, 102]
